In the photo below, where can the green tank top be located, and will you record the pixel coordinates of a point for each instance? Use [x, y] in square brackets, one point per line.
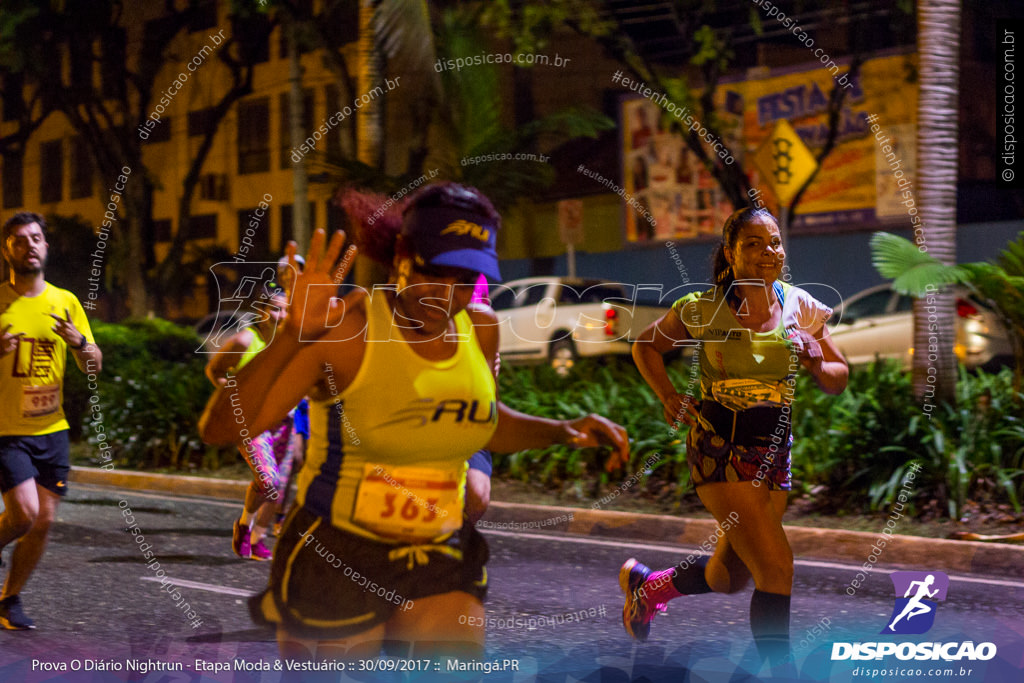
[257, 345]
[741, 368]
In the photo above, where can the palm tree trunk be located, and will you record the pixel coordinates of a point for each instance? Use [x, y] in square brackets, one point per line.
[296, 117]
[369, 117]
[934, 371]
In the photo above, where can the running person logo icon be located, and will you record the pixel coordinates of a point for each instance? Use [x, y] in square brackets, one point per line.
[252, 287]
[914, 612]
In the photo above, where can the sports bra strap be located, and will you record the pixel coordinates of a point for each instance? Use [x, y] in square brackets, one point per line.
[780, 292]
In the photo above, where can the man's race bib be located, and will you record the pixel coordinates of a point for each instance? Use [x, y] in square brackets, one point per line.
[39, 401]
[740, 394]
[410, 504]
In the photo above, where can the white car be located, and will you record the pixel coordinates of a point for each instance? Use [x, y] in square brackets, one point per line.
[558, 319]
[879, 323]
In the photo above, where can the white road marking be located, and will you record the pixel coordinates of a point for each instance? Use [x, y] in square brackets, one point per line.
[564, 539]
[156, 495]
[683, 548]
[213, 588]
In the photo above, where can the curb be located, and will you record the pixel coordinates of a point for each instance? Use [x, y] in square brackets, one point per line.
[807, 542]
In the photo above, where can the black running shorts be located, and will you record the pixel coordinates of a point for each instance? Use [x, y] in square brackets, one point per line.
[44, 458]
[326, 583]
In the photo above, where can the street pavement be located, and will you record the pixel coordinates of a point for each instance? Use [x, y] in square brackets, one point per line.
[554, 606]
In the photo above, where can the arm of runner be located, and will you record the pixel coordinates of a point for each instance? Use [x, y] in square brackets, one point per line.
[86, 353]
[649, 349]
[518, 431]
[9, 341]
[279, 376]
[818, 353]
[227, 357]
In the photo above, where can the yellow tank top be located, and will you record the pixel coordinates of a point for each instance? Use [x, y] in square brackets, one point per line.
[387, 456]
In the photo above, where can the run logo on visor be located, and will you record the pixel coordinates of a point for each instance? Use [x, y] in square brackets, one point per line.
[464, 227]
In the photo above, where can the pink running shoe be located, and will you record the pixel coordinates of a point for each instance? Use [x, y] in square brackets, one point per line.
[240, 540]
[636, 613]
[260, 551]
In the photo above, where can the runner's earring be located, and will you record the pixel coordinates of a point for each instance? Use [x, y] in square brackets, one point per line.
[404, 269]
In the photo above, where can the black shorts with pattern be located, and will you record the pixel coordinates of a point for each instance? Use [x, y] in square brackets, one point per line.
[326, 583]
[713, 459]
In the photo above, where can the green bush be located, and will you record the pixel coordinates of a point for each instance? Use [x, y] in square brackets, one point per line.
[150, 395]
[613, 389]
[854, 449]
[850, 451]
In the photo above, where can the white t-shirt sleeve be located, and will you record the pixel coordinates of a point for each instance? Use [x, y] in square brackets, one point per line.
[810, 313]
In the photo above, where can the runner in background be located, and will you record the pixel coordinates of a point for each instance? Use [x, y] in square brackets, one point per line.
[271, 454]
[300, 434]
[38, 324]
[478, 476]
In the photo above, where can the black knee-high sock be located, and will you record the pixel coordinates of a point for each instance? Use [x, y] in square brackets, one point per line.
[769, 622]
[691, 581]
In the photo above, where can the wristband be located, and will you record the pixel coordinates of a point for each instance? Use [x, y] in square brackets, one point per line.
[81, 344]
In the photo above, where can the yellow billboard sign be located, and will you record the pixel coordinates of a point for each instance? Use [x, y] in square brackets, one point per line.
[852, 187]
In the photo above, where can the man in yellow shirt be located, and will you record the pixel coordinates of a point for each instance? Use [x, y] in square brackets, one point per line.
[37, 323]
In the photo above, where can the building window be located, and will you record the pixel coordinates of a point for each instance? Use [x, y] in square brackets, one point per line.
[343, 18]
[80, 56]
[284, 120]
[332, 146]
[288, 227]
[253, 35]
[14, 105]
[336, 218]
[13, 180]
[200, 122]
[112, 62]
[81, 169]
[160, 132]
[204, 226]
[51, 172]
[256, 229]
[162, 230]
[203, 17]
[254, 136]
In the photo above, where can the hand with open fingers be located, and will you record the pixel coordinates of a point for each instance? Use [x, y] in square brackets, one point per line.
[9, 340]
[315, 306]
[680, 408]
[805, 346]
[66, 329]
[594, 430]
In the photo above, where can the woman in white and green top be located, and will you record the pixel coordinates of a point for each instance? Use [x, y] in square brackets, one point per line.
[755, 332]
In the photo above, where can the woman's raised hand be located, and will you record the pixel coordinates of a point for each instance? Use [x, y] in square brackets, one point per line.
[315, 306]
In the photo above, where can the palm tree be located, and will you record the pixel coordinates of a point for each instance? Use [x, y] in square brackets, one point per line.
[937, 152]
[999, 285]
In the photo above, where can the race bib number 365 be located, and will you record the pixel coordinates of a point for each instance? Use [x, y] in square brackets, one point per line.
[39, 401]
[412, 504]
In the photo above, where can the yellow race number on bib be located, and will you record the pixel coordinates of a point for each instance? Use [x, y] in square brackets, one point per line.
[411, 504]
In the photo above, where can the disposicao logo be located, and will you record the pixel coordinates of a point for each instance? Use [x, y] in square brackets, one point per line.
[917, 597]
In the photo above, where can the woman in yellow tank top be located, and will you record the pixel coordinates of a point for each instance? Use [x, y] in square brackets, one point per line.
[271, 454]
[402, 394]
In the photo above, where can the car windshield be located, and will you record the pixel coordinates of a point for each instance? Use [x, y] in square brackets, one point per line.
[876, 303]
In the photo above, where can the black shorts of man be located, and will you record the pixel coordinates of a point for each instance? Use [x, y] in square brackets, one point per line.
[38, 323]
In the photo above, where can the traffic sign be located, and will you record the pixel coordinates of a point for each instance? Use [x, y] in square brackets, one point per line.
[785, 161]
[570, 221]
